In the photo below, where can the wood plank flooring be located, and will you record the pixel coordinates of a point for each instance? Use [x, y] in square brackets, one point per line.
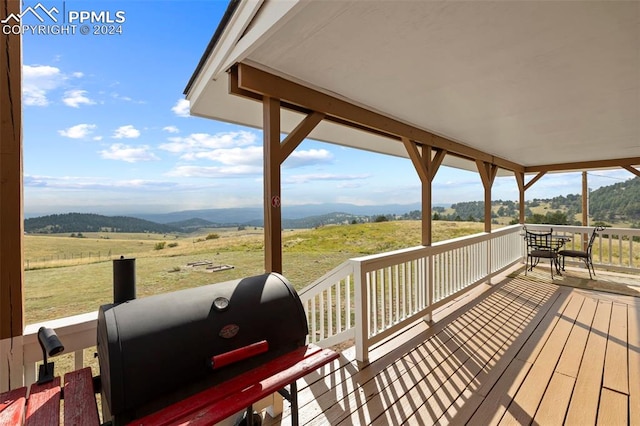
[523, 351]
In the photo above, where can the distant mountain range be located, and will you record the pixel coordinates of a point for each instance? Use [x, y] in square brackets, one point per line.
[614, 204]
[306, 216]
[254, 216]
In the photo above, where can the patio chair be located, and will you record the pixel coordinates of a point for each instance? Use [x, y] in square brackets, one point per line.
[584, 255]
[540, 246]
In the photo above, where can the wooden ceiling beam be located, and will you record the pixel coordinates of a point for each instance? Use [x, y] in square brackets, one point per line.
[632, 170]
[257, 83]
[534, 180]
[416, 159]
[437, 162]
[250, 79]
[302, 130]
[487, 172]
[585, 165]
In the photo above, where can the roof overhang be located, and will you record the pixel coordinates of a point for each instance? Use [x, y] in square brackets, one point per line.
[541, 86]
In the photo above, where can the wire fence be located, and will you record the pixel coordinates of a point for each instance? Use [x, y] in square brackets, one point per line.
[67, 259]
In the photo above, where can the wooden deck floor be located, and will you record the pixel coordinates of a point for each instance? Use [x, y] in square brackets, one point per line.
[523, 351]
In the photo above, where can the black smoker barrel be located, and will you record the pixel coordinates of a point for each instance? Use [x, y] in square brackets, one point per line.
[157, 350]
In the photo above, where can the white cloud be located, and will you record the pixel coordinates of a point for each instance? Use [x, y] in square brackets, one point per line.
[215, 172]
[120, 97]
[309, 157]
[315, 177]
[126, 132]
[74, 98]
[122, 152]
[97, 183]
[171, 129]
[37, 81]
[79, 131]
[181, 108]
[200, 142]
[234, 156]
[77, 74]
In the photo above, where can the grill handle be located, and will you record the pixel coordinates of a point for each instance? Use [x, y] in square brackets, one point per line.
[221, 360]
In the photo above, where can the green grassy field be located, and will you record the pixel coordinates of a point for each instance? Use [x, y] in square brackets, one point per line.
[62, 286]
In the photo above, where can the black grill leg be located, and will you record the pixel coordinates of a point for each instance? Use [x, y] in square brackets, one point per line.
[294, 403]
[249, 415]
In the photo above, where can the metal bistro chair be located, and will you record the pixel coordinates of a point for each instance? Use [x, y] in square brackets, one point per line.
[584, 255]
[540, 246]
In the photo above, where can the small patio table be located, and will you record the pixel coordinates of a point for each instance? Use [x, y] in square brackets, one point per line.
[558, 242]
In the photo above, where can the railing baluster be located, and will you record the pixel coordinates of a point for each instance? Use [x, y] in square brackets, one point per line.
[78, 359]
[329, 313]
[314, 326]
[620, 249]
[393, 292]
[348, 303]
[339, 309]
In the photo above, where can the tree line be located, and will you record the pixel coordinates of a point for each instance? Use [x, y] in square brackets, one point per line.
[88, 222]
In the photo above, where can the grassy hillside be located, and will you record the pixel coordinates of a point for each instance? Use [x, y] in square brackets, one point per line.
[67, 287]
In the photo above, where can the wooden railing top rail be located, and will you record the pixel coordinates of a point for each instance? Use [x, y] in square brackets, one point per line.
[382, 260]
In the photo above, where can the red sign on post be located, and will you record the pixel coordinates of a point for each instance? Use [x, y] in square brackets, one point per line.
[275, 201]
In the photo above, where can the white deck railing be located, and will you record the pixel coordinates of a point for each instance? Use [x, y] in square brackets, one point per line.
[366, 298]
[20, 355]
[371, 297]
[615, 249]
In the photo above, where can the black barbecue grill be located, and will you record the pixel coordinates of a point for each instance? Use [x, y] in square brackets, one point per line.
[160, 349]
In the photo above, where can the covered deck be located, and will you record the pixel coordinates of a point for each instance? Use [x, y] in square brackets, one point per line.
[502, 88]
[524, 350]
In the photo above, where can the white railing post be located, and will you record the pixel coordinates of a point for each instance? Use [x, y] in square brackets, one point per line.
[489, 244]
[429, 286]
[362, 314]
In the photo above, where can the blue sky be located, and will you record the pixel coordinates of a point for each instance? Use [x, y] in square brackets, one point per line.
[106, 129]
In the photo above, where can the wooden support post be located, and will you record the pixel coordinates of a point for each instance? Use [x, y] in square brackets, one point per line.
[585, 209]
[272, 187]
[426, 166]
[488, 173]
[520, 181]
[275, 153]
[585, 204]
[11, 207]
[427, 219]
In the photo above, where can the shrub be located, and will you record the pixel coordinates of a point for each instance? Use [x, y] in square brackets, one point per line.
[212, 236]
[159, 246]
[172, 245]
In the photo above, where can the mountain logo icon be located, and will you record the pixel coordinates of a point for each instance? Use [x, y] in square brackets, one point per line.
[39, 11]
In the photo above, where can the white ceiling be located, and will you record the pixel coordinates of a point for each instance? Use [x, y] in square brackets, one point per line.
[536, 83]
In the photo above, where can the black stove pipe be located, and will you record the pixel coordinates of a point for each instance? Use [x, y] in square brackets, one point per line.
[124, 280]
